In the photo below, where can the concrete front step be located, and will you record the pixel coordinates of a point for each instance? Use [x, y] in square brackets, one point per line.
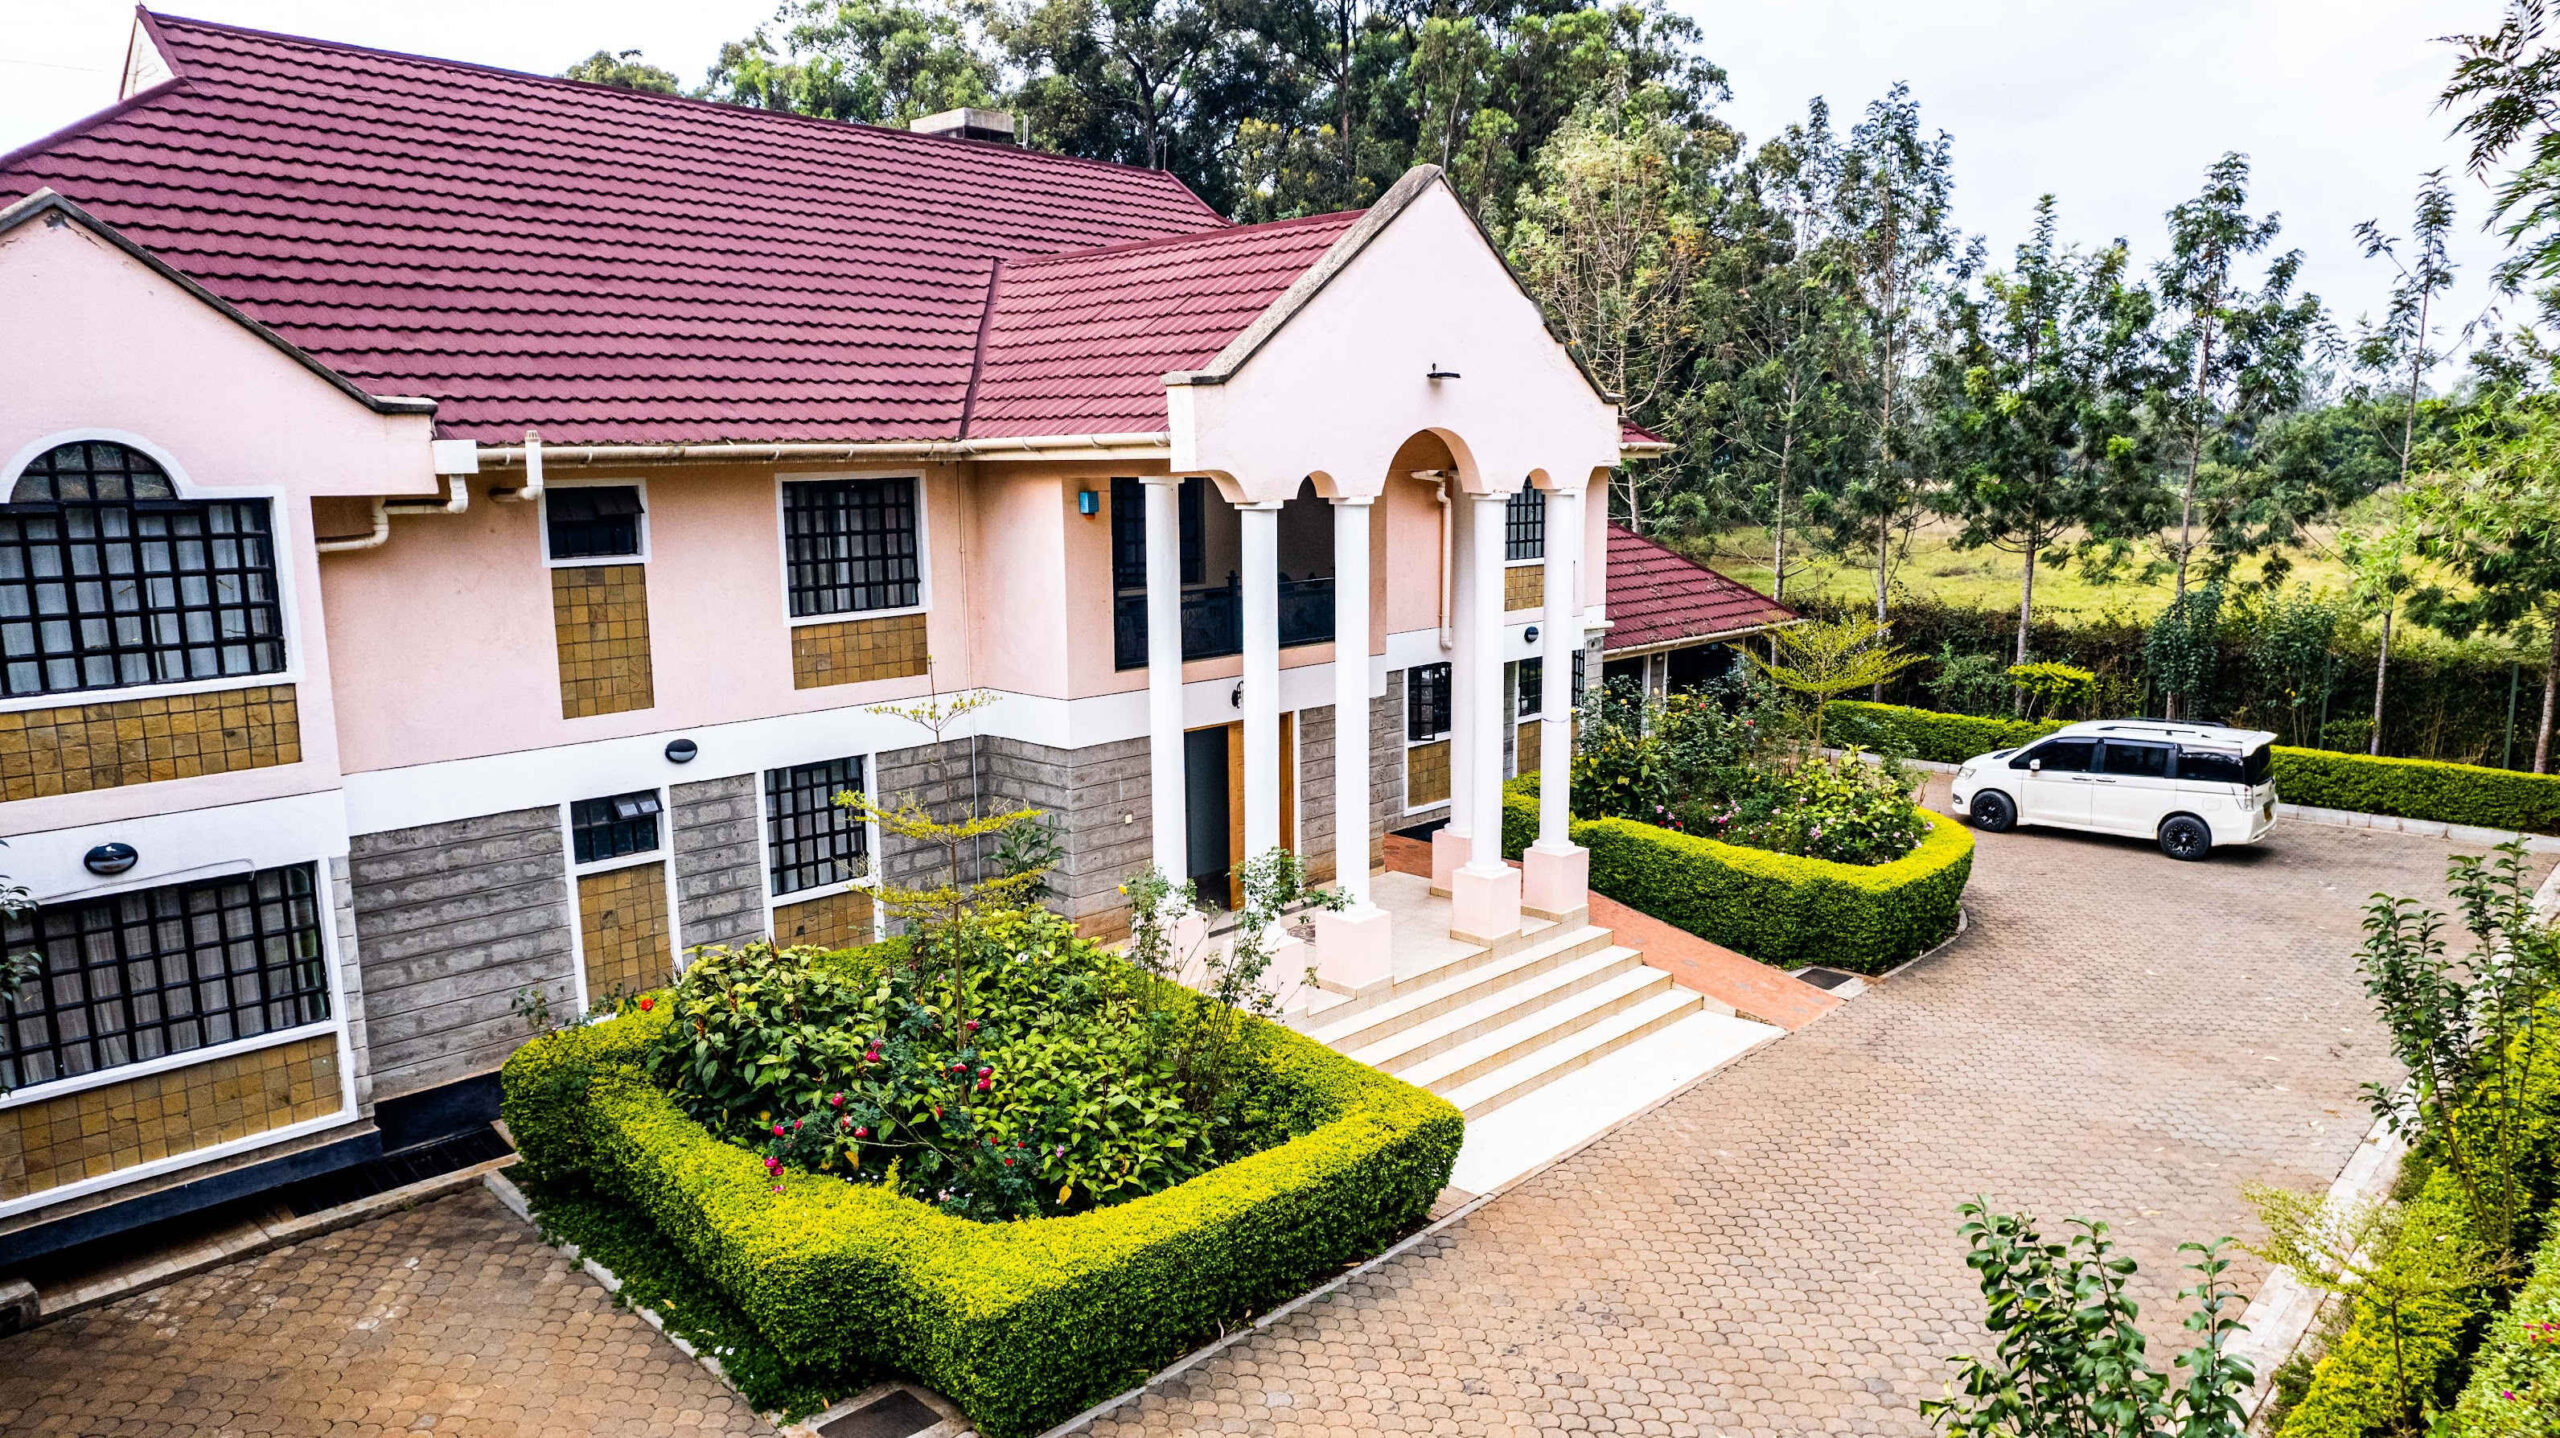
[1540, 1026]
[1546, 1064]
[1412, 1044]
[1370, 1018]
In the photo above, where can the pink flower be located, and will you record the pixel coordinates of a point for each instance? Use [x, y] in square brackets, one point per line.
[863, 1132]
[647, 1003]
[837, 1101]
[777, 1130]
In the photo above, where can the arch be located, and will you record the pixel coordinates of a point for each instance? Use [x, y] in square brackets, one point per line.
[27, 454]
[98, 471]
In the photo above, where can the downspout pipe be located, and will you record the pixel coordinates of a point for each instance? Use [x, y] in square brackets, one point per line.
[1438, 479]
[457, 486]
[531, 489]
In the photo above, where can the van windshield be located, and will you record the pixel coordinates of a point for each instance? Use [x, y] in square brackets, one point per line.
[2221, 766]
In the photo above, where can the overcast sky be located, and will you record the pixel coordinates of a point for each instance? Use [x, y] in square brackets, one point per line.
[2116, 106]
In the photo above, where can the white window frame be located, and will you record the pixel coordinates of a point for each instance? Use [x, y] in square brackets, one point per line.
[1445, 736]
[664, 856]
[593, 481]
[285, 539]
[869, 881]
[782, 549]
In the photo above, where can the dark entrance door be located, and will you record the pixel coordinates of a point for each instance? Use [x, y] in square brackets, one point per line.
[1204, 787]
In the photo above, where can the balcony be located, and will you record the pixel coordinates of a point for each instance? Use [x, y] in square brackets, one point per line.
[1213, 620]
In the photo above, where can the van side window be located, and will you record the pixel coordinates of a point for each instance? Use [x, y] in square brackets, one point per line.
[2059, 756]
[2210, 766]
[2138, 761]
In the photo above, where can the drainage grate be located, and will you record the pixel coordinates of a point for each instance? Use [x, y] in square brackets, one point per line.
[1822, 978]
[411, 1165]
[894, 1414]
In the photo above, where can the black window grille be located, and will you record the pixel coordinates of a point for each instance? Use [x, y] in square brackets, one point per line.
[1426, 702]
[1129, 531]
[1533, 686]
[809, 842]
[109, 580]
[1577, 679]
[593, 521]
[137, 976]
[612, 827]
[852, 545]
[1524, 525]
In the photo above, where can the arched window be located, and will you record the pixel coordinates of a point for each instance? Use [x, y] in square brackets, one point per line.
[1524, 530]
[108, 579]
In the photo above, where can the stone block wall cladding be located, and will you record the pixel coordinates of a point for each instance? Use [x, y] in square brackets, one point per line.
[79, 747]
[941, 777]
[622, 932]
[854, 650]
[719, 851]
[1096, 799]
[600, 621]
[452, 922]
[342, 915]
[124, 1125]
[1316, 750]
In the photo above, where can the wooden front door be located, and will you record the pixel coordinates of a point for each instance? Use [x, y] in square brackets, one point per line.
[1235, 800]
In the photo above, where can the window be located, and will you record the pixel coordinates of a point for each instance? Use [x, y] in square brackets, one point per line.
[1533, 686]
[2060, 756]
[851, 545]
[1426, 703]
[109, 580]
[1129, 531]
[2140, 761]
[1524, 527]
[809, 842]
[1577, 679]
[592, 521]
[134, 977]
[2221, 766]
[611, 828]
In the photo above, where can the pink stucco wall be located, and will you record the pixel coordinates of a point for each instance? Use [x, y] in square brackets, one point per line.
[126, 354]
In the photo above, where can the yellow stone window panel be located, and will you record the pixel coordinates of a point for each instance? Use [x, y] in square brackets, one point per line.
[1426, 775]
[622, 925]
[117, 1126]
[600, 621]
[852, 651]
[840, 920]
[1524, 586]
[80, 747]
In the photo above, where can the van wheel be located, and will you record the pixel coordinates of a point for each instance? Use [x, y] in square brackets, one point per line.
[2184, 836]
[1992, 812]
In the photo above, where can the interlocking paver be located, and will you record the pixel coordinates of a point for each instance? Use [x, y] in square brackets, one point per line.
[449, 1317]
[1774, 1252]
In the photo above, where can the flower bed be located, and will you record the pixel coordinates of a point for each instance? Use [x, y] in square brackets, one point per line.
[1021, 1323]
[2515, 1381]
[1776, 908]
[2404, 788]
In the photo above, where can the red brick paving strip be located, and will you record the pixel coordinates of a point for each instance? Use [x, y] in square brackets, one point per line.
[448, 1318]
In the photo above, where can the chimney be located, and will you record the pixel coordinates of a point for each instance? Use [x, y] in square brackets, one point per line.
[995, 126]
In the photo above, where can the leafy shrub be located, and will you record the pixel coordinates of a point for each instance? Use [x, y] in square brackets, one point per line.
[1061, 1093]
[1967, 683]
[1022, 1324]
[2052, 686]
[2514, 1390]
[1777, 908]
[1844, 810]
[2406, 788]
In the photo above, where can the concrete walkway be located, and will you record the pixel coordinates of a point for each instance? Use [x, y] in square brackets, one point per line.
[1774, 1252]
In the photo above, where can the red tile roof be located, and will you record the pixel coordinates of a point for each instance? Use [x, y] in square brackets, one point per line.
[1657, 596]
[1080, 343]
[1630, 432]
[615, 267]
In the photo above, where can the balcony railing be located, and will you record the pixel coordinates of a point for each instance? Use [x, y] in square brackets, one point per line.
[1213, 620]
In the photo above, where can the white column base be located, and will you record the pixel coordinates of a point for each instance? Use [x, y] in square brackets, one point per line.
[1450, 852]
[1555, 883]
[1352, 948]
[1484, 903]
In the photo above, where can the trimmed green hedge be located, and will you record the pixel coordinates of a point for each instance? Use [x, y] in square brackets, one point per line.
[2406, 788]
[2352, 1393]
[2515, 1378]
[1777, 908]
[1022, 1324]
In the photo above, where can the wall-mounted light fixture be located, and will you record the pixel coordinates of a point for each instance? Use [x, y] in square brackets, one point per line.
[1530, 634]
[1088, 503]
[681, 751]
[109, 859]
[1438, 374]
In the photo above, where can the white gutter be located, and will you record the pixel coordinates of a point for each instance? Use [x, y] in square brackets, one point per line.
[529, 454]
[459, 488]
[1148, 444]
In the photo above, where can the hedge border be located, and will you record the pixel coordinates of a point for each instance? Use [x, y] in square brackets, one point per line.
[2430, 789]
[1780, 909]
[2518, 1359]
[1021, 1324]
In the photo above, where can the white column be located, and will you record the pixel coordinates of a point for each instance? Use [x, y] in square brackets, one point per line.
[1352, 948]
[1485, 894]
[1451, 844]
[1167, 809]
[1261, 606]
[1351, 697]
[1555, 874]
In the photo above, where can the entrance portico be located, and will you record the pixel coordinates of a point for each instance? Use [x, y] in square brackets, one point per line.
[1409, 337]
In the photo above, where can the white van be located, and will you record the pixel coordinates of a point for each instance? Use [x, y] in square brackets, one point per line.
[2188, 786]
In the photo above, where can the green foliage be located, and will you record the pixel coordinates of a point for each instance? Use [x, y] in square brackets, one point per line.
[2514, 1390]
[882, 62]
[2069, 1354]
[1022, 1324]
[2182, 651]
[1844, 810]
[624, 70]
[1822, 659]
[2407, 788]
[2052, 686]
[2291, 658]
[1777, 908]
[1065, 1092]
[1968, 683]
[1639, 756]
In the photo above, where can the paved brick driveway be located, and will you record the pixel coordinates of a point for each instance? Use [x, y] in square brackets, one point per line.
[1774, 1251]
[449, 1318]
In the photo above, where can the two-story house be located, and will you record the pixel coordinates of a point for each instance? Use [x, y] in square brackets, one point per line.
[457, 525]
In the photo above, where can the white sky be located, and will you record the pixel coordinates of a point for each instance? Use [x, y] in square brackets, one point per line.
[2116, 106]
